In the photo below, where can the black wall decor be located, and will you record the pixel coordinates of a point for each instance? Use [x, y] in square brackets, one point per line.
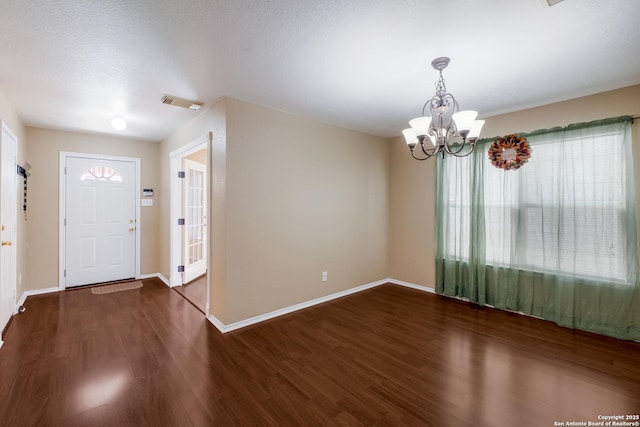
[23, 173]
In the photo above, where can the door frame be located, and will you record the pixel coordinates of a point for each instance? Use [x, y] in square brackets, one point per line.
[62, 262]
[175, 207]
[10, 186]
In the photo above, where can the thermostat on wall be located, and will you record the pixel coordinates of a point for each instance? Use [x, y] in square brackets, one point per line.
[147, 192]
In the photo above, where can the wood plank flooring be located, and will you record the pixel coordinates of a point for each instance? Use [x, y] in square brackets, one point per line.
[196, 292]
[389, 356]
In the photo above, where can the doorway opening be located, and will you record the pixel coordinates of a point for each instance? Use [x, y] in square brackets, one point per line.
[189, 234]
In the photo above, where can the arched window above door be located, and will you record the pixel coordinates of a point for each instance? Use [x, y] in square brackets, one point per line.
[101, 173]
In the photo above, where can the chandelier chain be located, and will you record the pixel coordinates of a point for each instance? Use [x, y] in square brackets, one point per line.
[441, 89]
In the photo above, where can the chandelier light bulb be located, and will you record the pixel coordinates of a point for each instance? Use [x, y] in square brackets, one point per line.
[410, 137]
[476, 127]
[464, 120]
[420, 125]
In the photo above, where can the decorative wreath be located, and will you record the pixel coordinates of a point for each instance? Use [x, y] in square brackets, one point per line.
[509, 152]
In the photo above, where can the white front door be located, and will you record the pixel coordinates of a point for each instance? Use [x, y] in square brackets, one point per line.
[8, 226]
[195, 220]
[100, 218]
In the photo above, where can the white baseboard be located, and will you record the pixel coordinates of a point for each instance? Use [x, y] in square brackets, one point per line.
[286, 310]
[412, 286]
[21, 301]
[26, 294]
[217, 323]
[261, 318]
[156, 275]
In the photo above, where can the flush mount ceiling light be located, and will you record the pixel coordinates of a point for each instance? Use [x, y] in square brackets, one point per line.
[181, 102]
[118, 123]
[445, 129]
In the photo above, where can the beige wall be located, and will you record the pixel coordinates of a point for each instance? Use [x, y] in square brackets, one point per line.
[213, 119]
[9, 116]
[412, 254]
[412, 213]
[290, 198]
[303, 197]
[43, 153]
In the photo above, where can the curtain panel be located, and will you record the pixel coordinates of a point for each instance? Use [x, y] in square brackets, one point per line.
[555, 238]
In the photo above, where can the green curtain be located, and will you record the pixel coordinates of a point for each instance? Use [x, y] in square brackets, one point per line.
[555, 238]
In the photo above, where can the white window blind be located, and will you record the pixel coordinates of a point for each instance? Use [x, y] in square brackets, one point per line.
[564, 212]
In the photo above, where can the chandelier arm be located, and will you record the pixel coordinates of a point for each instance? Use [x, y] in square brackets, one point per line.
[425, 106]
[462, 146]
[448, 149]
[467, 153]
[456, 107]
[419, 158]
[427, 155]
[429, 152]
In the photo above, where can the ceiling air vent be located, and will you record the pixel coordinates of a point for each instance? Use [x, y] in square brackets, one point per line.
[181, 102]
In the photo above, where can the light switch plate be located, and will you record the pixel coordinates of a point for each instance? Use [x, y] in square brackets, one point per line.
[147, 202]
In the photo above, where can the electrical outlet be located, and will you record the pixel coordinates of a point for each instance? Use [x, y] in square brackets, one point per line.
[324, 276]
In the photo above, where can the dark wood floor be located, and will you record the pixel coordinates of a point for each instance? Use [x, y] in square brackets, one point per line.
[196, 292]
[389, 356]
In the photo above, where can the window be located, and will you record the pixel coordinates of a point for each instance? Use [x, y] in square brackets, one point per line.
[564, 212]
[101, 173]
[555, 239]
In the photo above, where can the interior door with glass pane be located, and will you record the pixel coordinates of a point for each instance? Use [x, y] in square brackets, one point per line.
[195, 220]
[100, 230]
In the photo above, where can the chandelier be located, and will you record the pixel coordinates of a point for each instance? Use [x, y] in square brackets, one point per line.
[445, 129]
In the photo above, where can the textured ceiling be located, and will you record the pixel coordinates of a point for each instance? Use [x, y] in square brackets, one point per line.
[361, 64]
